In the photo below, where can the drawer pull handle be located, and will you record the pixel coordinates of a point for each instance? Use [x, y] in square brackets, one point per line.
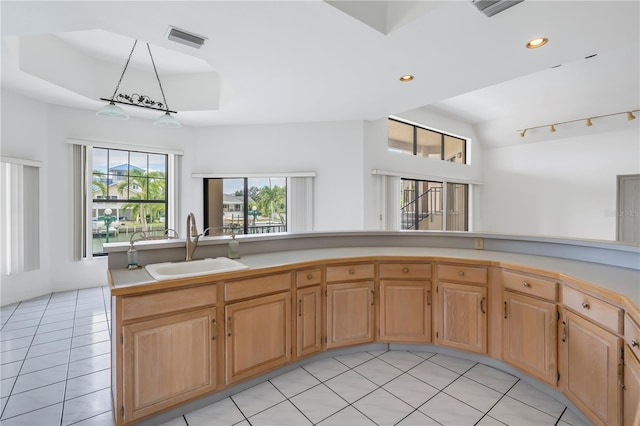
[586, 305]
[405, 270]
[564, 331]
[373, 297]
[482, 306]
[299, 307]
[505, 310]
[214, 324]
[309, 276]
[461, 273]
[229, 326]
[352, 271]
[634, 344]
[428, 297]
[526, 284]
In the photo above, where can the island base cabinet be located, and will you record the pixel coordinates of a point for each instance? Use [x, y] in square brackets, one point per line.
[405, 311]
[462, 316]
[591, 367]
[631, 389]
[309, 321]
[168, 361]
[349, 313]
[530, 336]
[258, 336]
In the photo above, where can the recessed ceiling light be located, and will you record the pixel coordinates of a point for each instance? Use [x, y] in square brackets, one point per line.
[407, 77]
[537, 42]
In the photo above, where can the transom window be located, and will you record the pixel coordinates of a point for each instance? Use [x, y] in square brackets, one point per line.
[415, 140]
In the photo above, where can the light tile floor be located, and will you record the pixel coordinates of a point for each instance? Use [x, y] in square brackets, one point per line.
[54, 359]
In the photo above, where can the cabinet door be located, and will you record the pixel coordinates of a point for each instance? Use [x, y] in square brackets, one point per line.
[168, 361]
[350, 313]
[631, 389]
[591, 361]
[530, 336]
[405, 311]
[309, 321]
[463, 316]
[258, 335]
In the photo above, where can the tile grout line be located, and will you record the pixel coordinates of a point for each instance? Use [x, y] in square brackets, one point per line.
[64, 392]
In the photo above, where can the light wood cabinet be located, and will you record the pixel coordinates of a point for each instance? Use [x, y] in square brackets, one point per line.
[168, 361]
[257, 335]
[591, 369]
[631, 390]
[462, 316]
[405, 311]
[529, 339]
[350, 313]
[308, 321]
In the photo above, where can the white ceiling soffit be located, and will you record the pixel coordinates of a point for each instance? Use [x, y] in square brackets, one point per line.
[384, 16]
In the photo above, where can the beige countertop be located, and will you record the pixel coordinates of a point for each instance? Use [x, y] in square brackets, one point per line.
[623, 281]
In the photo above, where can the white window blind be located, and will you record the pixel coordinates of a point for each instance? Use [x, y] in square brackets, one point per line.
[20, 216]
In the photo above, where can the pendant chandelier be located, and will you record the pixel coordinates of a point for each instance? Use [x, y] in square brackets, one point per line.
[111, 111]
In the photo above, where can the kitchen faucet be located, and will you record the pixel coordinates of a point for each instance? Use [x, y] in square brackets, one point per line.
[192, 236]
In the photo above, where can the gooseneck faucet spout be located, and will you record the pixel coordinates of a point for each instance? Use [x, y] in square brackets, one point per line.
[192, 236]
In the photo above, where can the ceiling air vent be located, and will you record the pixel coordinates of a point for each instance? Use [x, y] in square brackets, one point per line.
[493, 7]
[185, 37]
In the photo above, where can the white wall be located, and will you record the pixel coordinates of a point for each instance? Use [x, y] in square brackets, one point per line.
[377, 156]
[33, 130]
[561, 188]
[332, 150]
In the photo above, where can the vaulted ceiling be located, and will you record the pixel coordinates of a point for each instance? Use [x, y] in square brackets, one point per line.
[302, 61]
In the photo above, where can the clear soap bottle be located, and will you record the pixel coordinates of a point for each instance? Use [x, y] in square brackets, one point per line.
[234, 247]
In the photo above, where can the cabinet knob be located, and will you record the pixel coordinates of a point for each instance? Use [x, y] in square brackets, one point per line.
[309, 276]
[634, 344]
[526, 284]
[405, 270]
[461, 273]
[351, 271]
[586, 305]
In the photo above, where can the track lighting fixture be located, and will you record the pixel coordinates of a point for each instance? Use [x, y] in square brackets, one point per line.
[588, 121]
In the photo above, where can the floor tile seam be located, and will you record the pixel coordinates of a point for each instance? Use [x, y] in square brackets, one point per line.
[64, 393]
[426, 383]
[404, 371]
[416, 410]
[2, 419]
[493, 418]
[354, 371]
[535, 408]
[385, 383]
[331, 390]
[47, 354]
[466, 371]
[469, 405]
[19, 317]
[75, 423]
[265, 409]
[22, 362]
[361, 412]
[88, 344]
[348, 366]
[19, 337]
[498, 401]
[234, 403]
[497, 390]
[84, 394]
[88, 357]
[37, 387]
[301, 412]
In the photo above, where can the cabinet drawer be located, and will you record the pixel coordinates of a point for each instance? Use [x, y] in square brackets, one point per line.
[530, 285]
[462, 273]
[632, 335]
[308, 277]
[405, 270]
[359, 271]
[241, 289]
[594, 309]
[168, 301]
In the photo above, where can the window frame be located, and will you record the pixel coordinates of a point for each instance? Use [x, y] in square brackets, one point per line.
[443, 136]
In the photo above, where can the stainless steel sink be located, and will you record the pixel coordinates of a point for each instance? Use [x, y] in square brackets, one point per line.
[194, 268]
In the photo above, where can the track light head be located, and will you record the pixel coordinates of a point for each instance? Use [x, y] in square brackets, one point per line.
[552, 128]
[522, 133]
[589, 123]
[630, 116]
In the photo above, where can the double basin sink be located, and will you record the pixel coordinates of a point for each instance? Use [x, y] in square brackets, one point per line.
[175, 270]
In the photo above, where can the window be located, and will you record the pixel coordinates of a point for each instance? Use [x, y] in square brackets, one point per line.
[421, 205]
[19, 216]
[245, 205]
[128, 194]
[410, 139]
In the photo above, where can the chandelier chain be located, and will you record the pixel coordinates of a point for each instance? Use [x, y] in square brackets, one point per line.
[157, 77]
[125, 69]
